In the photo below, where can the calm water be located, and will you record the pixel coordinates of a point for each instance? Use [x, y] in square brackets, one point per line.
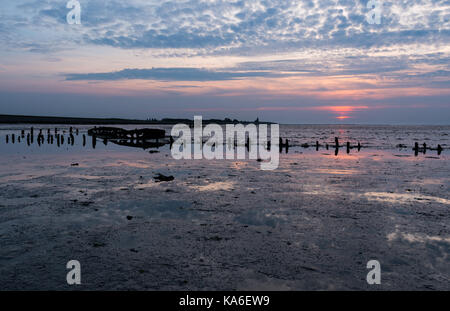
[313, 223]
[377, 137]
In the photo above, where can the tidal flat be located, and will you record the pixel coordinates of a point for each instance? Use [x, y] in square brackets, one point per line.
[311, 224]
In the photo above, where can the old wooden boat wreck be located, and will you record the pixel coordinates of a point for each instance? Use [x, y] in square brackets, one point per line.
[139, 138]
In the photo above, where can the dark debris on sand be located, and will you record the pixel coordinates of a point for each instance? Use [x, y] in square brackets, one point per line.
[161, 177]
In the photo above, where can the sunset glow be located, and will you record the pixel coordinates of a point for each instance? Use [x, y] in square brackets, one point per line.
[229, 59]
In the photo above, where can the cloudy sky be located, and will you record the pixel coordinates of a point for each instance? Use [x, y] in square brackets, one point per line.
[297, 61]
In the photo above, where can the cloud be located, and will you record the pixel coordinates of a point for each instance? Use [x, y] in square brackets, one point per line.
[168, 74]
[234, 26]
[362, 72]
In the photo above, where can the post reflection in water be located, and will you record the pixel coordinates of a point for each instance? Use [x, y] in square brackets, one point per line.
[136, 141]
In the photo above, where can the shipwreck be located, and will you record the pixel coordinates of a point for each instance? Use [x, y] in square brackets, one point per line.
[139, 138]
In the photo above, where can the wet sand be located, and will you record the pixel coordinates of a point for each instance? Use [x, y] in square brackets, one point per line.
[313, 224]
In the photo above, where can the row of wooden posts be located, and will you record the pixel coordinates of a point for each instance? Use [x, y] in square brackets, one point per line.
[424, 148]
[282, 145]
[40, 139]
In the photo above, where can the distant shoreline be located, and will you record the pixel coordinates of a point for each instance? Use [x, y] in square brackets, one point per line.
[19, 119]
[22, 119]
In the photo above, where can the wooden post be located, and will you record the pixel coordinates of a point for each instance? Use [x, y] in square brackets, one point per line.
[13, 137]
[348, 147]
[336, 141]
[317, 145]
[7, 138]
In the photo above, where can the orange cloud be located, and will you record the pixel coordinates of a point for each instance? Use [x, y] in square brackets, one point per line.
[341, 109]
[343, 117]
[336, 109]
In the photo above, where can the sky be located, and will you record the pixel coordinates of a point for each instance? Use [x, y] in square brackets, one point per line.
[299, 61]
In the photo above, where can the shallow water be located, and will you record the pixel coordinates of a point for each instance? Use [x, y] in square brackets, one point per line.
[313, 223]
[386, 137]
